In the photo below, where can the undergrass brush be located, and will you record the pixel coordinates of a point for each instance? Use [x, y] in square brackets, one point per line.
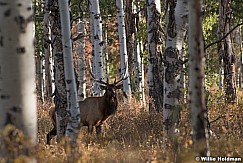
[133, 135]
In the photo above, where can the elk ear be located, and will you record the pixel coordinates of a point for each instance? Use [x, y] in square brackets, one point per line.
[119, 86]
[102, 87]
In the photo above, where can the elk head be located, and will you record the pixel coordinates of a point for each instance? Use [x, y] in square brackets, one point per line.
[110, 89]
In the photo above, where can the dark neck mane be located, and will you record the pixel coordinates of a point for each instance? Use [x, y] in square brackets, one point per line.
[111, 105]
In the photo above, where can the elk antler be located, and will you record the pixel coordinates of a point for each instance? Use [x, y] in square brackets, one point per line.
[92, 75]
[124, 76]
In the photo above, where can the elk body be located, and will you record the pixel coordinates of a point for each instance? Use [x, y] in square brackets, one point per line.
[93, 110]
[98, 109]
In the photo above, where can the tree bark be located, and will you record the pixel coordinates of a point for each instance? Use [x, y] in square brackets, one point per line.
[17, 73]
[81, 60]
[155, 68]
[176, 30]
[196, 80]
[123, 49]
[138, 60]
[71, 88]
[47, 52]
[91, 31]
[226, 55]
[240, 60]
[60, 94]
[129, 28]
[98, 45]
[106, 58]
[39, 76]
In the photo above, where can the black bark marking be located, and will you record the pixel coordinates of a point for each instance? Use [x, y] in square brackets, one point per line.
[190, 93]
[1, 41]
[101, 43]
[16, 109]
[3, 4]
[20, 50]
[200, 134]
[172, 69]
[4, 97]
[171, 29]
[22, 22]
[7, 13]
[174, 94]
[170, 107]
[167, 123]
[172, 52]
[69, 81]
[190, 101]
[96, 37]
[9, 120]
[198, 77]
[96, 16]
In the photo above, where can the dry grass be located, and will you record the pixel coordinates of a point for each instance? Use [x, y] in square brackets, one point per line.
[134, 136]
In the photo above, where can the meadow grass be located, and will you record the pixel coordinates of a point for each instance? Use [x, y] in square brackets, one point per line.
[133, 135]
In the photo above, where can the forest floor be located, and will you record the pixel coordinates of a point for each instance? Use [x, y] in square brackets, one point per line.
[133, 135]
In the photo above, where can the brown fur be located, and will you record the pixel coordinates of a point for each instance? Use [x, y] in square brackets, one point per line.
[93, 111]
[97, 110]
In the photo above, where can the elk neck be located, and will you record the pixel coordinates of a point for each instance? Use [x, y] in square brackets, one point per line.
[111, 104]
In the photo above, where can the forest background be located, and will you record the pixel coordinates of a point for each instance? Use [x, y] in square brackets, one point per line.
[135, 133]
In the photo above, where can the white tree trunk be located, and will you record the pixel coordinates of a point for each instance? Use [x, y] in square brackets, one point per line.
[17, 74]
[47, 53]
[60, 98]
[106, 59]
[220, 33]
[183, 78]
[196, 79]
[91, 31]
[138, 60]
[39, 76]
[143, 101]
[81, 60]
[241, 68]
[123, 48]
[226, 52]
[176, 29]
[240, 59]
[73, 107]
[98, 43]
[155, 68]
[129, 23]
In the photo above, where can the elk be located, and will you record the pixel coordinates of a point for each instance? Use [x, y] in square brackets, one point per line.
[94, 110]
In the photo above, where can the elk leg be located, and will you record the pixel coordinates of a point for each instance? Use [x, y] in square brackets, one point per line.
[98, 130]
[50, 135]
[90, 129]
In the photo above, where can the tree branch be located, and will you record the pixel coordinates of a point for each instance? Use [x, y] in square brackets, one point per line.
[215, 42]
[219, 117]
[78, 37]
